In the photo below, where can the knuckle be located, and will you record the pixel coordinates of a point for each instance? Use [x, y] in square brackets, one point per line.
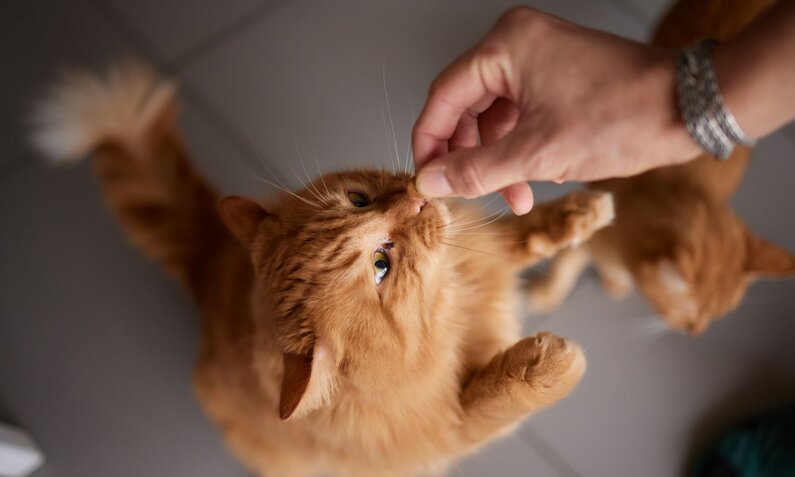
[518, 13]
[526, 23]
[468, 181]
[490, 53]
[436, 86]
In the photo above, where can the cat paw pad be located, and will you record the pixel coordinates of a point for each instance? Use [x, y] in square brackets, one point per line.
[586, 219]
[546, 360]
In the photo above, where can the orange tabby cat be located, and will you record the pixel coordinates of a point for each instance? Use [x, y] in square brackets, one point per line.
[350, 329]
[674, 234]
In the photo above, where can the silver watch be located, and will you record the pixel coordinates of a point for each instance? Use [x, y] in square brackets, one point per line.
[701, 105]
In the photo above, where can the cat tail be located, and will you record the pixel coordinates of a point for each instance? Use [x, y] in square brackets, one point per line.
[127, 119]
[691, 20]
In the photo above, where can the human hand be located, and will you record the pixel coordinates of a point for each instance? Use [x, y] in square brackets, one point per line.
[550, 100]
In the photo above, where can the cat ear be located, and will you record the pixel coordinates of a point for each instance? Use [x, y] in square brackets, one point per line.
[767, 260]
[242, 216]
[307, 384]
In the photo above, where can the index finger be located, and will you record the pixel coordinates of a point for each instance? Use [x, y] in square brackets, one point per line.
[460, 88]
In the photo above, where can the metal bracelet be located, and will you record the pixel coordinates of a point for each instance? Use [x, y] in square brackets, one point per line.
[701, 105]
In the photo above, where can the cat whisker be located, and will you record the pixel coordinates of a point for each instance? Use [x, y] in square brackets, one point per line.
[500, 243]
[468, 248]
[408, 156]
[480, 208]
[642, 336]
[285, 189]
[305, 187]
[493, 234]
[320, 174]
[389, 111]
[386, 136]
[313, 190]
[459, 224]
[409, 151]
[502, 214]
[264, 164]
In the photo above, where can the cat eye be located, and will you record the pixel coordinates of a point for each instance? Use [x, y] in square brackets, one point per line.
[380, 265]
[358, 199]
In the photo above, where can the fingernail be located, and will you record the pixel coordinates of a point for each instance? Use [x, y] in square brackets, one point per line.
[433, 183]
[522, 208]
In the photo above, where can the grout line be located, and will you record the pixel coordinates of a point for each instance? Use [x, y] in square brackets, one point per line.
[189, 93]
[547, 453]
[215, 119]
[222, 35]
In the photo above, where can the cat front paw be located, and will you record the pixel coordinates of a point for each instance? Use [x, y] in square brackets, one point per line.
[548, 366]
[573, 219]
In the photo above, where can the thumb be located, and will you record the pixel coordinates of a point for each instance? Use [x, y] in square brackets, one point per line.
[474, 172]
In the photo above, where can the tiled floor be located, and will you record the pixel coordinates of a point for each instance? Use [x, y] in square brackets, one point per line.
[96, 347]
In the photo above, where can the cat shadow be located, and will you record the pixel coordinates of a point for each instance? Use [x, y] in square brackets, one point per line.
[766, 389]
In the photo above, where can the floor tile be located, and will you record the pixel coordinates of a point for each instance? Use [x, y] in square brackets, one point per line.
[651, 9]
[508, 457]
[98, 345]
[176, 27]
[789, 131]
[765, 198]
[36, 41]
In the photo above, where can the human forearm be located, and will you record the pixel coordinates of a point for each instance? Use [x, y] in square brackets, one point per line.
[756, 71]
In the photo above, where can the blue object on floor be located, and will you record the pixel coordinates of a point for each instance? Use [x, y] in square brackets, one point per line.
[762, 446]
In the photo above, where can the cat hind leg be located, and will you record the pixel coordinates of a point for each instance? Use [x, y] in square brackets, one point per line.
[547, 292]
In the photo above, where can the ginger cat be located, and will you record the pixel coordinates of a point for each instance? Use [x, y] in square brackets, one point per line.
[675, 235]
[349, 329]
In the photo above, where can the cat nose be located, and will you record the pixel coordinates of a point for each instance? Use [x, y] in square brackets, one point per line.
[419, 204]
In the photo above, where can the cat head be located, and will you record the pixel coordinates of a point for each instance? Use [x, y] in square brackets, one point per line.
[698, 261]
[351, 270]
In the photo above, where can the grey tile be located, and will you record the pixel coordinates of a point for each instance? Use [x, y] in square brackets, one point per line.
[650, 9]
[224, 166]
[789, 131]
[765, 199]
[98, 345]
[176, 27]
[38, 39]
[507, 457]
[313, 70]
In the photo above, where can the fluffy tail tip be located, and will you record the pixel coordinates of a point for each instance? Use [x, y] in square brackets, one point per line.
[82, 111]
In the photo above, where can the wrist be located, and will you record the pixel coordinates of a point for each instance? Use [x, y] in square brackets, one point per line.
[676, 143]
[730, 81]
